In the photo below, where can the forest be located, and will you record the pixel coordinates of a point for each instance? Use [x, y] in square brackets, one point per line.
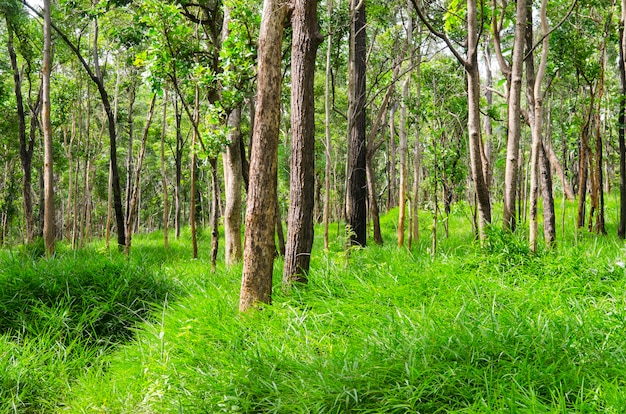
[293, 206]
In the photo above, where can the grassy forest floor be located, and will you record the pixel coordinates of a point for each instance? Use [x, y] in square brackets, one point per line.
[381, 329]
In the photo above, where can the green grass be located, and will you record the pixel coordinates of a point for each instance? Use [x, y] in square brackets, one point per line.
[383, 329]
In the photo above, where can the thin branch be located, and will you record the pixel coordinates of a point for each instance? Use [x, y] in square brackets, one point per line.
[439, 34]
[569, 12]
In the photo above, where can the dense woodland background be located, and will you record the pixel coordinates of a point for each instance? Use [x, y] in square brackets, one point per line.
[360, 108]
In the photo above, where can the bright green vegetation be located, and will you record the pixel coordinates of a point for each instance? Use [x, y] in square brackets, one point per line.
[496, 329]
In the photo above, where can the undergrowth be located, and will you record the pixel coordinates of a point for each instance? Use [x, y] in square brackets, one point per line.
[59, 315]
[383, 329]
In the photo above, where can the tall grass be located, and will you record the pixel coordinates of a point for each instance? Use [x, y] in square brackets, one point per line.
[383, 329]
[467, 329]
[58, 316]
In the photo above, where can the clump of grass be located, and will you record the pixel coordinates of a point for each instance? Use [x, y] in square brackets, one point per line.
[58, 316]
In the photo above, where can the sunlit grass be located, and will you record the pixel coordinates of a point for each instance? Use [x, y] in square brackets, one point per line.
[380, 329]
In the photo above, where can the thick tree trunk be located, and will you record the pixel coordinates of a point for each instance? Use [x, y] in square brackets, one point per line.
[514, 118]
[356, 192]
[306, 39]
[256, 283]
[48, 223]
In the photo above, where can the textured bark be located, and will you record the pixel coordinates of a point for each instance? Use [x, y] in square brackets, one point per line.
[233, 176]
[194, 166]
[256, 283]
[404, 146]
[473, 125]
[621, 230]
[26, 145]
[356, 192]
[48, 223]
[514, 120]
[306, 39]
[178, 163]
[166, 242]
[134, 191]
[215, 212]
[327, 109]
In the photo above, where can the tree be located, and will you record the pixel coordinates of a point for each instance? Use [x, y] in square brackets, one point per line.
[621, 230]
[305, 40]
[259, 247]
[356, 191]
[26, 143]
[514, 73]
[470, 63]
[48, 223]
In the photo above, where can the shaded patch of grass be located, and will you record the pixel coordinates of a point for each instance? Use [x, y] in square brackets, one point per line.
[58, 316]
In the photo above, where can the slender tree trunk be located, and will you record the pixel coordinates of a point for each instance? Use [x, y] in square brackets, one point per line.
[48, 223]
[166, 242]
[473, 126]
[233, 176]
[26, 146]
[306, 39]
[256, 283]
[178, 162]
[393, 151]
[193, 178]
[215, 212]
[356, 193]
[328, 142]
[134, 190]
[414, 235]
[621, 230]
[403, 148]
[232, 180]
[129, 155]
[514, 121]
[583, 161]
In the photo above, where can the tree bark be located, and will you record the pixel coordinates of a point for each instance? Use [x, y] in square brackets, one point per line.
[356, 193]
[404, 147]
[233, 186]
[233, 176]
[134, 191]
[26, 146]
[215, 212]
[256, 283]
[306, 38]
[328, 142]
[621, 230]
[166, 242]
[514, 121]
[48, 223]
